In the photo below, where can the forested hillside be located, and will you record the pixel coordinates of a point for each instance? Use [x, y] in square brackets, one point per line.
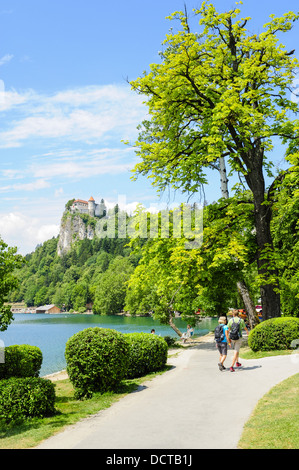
[93, 271]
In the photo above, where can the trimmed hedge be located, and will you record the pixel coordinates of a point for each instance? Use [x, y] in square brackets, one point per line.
[147, 353]
[274, 334]
[29, 397]
[21, 361]
[97, 360]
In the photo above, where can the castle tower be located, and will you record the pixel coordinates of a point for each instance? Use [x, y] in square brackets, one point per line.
[91, 206]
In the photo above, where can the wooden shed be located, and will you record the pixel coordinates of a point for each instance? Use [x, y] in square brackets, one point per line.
[48, 309]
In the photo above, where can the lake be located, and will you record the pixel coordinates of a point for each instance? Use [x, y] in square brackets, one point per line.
[50, 332]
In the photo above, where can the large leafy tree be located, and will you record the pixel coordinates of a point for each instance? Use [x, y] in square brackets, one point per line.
[219, 96]
[285, 229]
[110, 293]
[9, 261]
[171, 277]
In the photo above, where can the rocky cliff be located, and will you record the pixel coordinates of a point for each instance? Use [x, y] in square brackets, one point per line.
[73, 228]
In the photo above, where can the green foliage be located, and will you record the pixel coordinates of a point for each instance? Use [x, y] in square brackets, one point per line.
[71, 281]
[170, 341]
[69, 204]
[110, 293]
[171, 277]
[9, 261]
[276, 333]
[23, 398]
[285, 229]
[147, 353]
[218, 92]
[21, 361]
[97, 360]
[221, 92]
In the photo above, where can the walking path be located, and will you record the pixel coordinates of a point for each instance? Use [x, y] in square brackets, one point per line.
[192, 406]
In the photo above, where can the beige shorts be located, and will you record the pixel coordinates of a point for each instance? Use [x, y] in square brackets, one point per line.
[236, 344]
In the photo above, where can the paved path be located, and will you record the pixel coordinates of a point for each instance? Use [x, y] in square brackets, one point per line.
[192, 406]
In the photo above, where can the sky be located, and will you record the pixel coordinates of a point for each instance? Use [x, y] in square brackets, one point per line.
[66, 105]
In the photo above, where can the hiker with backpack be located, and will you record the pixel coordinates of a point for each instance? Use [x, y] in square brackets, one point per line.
[221, 338]
[235, 327]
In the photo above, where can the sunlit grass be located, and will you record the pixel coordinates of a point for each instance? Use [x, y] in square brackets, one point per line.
[69, 411]
[274, 424]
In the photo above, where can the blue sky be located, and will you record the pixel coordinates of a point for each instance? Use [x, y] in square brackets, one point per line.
[65, 104]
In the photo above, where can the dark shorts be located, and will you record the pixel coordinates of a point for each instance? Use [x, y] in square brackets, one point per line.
[222, 348]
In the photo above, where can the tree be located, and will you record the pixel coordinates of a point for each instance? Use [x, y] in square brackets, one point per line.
[9, 261]
[220, 95]
[171, 277]
[285, 231]
[110, 293]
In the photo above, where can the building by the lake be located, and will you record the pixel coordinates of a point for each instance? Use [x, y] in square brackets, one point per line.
[48, 309]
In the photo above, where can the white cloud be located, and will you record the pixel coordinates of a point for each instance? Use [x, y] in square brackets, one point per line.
[58, 192]
[69, 164]
[9, 100]
[32, 230]
[90, 114]
[99, 162]
[6, 58]
[32, 186]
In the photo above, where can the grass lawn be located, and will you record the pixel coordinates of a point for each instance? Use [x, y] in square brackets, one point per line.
[274, 424]
[247, 353]
[69, 411]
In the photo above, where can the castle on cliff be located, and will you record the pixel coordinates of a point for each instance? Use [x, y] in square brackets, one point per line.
[89, 207]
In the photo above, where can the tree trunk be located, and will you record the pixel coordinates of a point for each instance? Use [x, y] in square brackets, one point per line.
[248, 304]
[173, 326]
[262, 212]
[223, 178]
[270, 298]
[241, 286]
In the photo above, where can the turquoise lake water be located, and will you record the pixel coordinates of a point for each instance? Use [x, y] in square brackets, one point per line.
[50, 332]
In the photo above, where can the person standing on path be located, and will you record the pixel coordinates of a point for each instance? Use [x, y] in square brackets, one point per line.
[235, 327]
[222, 341]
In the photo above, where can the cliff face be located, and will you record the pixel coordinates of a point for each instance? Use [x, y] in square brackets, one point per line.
[72, 228]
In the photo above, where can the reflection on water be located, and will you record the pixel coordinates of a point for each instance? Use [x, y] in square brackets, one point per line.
[50, 332]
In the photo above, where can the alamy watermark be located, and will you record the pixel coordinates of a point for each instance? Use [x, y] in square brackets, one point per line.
[185, 222]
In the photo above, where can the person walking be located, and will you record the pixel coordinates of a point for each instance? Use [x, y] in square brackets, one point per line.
[235, 327]
[222, 339]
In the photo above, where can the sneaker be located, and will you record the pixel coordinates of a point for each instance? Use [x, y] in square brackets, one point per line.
[220, 366]
[232, 369]
[238, 364]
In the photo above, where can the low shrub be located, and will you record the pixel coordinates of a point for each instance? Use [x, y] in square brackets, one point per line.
[97, 360]
[147, 353]
[273, 334]
[171, 342]
[21, 361]
[23, 398]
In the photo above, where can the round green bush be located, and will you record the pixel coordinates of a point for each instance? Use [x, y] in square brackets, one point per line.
[21, 360]
[147, 353]
[29, 397]
[274, 334]
[97, 360]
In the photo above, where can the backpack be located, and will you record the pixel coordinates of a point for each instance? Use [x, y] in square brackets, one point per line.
[234, 333]
[219, 334]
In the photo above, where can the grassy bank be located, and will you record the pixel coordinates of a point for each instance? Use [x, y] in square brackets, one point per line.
[69, 411]
[274, 424]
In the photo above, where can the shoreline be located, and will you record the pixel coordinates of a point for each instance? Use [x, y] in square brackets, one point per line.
[60, 375]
